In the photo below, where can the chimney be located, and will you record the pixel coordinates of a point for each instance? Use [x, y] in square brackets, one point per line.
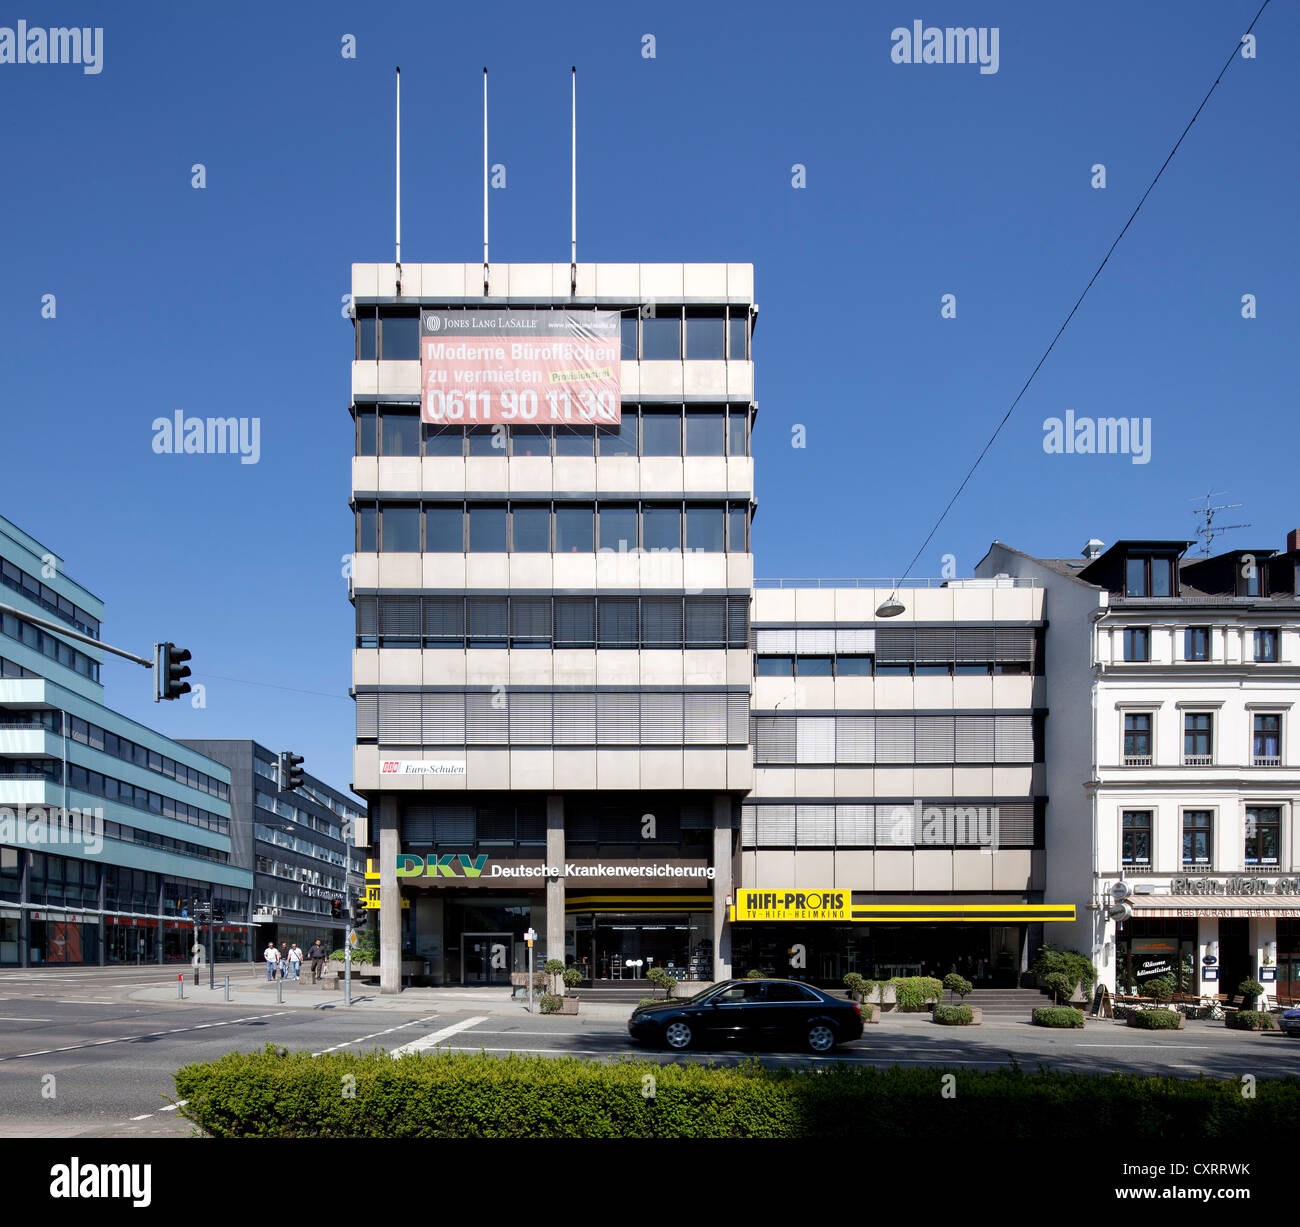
[1092, 549]
[1293, 540]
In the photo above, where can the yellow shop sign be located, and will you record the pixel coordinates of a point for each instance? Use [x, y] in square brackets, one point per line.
[792, 905]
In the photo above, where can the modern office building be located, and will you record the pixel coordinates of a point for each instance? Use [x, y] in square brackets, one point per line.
[108, 830]
[297, 845]
[1173, 760]
[898, 767]
[559, 726]
[552, 666]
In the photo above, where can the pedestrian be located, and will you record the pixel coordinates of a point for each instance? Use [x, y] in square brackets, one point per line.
[284, 960]
[295, 960]
[272, 957]
[317, 956]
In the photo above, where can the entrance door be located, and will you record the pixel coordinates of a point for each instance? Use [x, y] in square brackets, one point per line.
[486, 958]
[1234, 954]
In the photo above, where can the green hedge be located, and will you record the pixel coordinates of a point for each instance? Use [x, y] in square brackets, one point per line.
[1154, 1020]
[1252, 1020]
[915, 992]
[462, 1095]
[954, 1015]
[1057, 1016]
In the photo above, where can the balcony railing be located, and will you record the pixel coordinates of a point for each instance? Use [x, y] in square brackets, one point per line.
[890, 585]
[1137, 760]
[1198, 760]
[1268, 760]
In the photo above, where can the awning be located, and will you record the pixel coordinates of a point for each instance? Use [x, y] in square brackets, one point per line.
[1228, 906]
[963, 913]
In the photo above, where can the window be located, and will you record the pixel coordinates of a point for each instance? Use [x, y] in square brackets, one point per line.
[399, 338]
[1249, 580]
[443, 440]
[575, 528]
[705, 336]
[1196, 643]
[1198, 739]
[737, 427]
[367, 335]
[617, 527]
[705, 432]
[661, 527]
[485, 441]
[628, 331]
[619, 440]
[574, 442]
[367, 530]
[737, 521]
[1136, 848]
[853, 666]
[1266, 645]
[1137, 739]
[813, 666]
[789, 992]
[661, 433]
[487, 528]
[530, 441]
[401, 529]
[661, 338]
[1197, 829]
[1148, 575]
[367, 434]
[532, 529]
[704, 528]
[1137, 643]
[1263, 831]
[774, 666]
[738, 334]
[399, 433]
[444, 529]
[1267, 750]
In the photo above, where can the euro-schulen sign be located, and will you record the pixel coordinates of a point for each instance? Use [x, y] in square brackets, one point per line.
[520, 367]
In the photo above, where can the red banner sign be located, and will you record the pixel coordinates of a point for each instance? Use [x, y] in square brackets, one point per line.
[520, 368]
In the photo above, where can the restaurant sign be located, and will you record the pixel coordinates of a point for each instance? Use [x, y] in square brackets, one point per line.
[1235, 886]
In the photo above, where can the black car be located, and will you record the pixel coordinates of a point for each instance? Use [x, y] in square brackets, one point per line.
[750, 1011]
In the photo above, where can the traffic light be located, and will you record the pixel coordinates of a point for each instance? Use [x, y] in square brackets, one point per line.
[360, 913]
[169, 671]
[291, 773]
[336, 909]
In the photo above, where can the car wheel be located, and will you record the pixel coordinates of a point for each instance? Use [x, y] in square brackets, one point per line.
[678, 1035]
[821, 1037]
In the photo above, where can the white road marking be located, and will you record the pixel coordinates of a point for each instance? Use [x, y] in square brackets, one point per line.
[171, 1107]
[347, 1043]
[82, 1001]
[126, 1039]
[435, 1037]
[26, 1020]
[1157, 1044]
[146, 1116]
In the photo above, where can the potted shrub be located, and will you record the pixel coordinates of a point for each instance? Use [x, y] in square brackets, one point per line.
[1075, 967]
[661, 979]
[1252, 1020]
[1156, 1020]
[1251, 990]
[954, 1015]
[958, 986]
[1057, 1016]
[916, 992]
[860, 989]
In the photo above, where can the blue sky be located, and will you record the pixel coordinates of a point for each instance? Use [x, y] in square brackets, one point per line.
[922, 180]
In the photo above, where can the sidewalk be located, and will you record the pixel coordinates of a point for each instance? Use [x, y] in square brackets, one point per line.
[246, 993]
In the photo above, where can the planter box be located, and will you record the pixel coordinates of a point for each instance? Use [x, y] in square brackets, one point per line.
[870, 1014]
[1182, 1022]
[568, 1005]
[975, 1010]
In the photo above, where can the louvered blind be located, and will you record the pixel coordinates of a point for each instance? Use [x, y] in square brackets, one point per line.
[367, 716]
[399, 719]
[775, 826]
[486, 719]
[737, 621]
[453, 824]
[855, 826]
[815, 739]
[530, 719]
[737, 717]
[856, 641]
[399, 618]
[367, 616]
[774, 739]
[618, 721]
[934, 739]
[706, 718]
[417, 824]
[530, 823]
[815, 826]
[487, 618]
[895, 644]
[575, 622]
[575, 719]
[748, 826]
[617, 622]
[778, 642]
[935, 645]
[1014, 739]
[811, 641]
[661, 621]
[1015, 643]
[530, 619]
[895, 739]
[706, 622]
[1014, 825]
[894, 826]
[661, 719]
[975, 644]
[444, 720]
[855, 739]
[444, 618]
[974, 739]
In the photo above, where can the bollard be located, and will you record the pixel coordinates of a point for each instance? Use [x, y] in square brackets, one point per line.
[227, 988]
[279, 990]
[180, 987]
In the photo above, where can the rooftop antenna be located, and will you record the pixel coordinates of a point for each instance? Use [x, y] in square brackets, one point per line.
[573, 188]
[1208, 530]
[397, 227]
[485, 187]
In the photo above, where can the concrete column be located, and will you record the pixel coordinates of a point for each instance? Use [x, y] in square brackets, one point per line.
[390, 899]
[1263, 931]
[554, 886]
[1207, 931]
[722, 886]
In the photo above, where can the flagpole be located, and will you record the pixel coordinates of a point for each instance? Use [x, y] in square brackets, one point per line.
[397, 220]
[573, 187]
[485, 185]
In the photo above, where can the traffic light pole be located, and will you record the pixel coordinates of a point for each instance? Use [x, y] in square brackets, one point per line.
[347, 958]
[67, 633]
[212, 948]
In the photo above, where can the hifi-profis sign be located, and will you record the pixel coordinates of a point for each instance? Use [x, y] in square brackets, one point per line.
[484, 367]
[792, 905]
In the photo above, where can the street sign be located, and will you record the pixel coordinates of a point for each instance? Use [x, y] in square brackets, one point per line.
[352, 939]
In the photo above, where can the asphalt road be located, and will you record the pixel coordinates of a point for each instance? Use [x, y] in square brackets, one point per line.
[78, 1057]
